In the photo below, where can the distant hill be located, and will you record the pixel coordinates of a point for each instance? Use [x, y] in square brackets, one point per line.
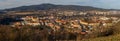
[2, 12]
[52, 6]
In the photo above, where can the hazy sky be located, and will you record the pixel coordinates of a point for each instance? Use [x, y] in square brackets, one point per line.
[109, 4]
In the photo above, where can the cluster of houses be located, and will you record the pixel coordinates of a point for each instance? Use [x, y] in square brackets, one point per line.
[58, 23]
[67, 19]
[66, 12]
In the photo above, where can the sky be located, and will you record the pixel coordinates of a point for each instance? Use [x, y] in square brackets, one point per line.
[107, 4]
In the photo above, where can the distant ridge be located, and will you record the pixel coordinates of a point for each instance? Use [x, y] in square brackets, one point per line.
[53, 6]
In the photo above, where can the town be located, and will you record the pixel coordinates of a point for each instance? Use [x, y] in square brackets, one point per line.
[71, 21]
[58, 22]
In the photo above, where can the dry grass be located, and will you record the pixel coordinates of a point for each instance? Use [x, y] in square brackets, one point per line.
[36, 34]
[114, 37]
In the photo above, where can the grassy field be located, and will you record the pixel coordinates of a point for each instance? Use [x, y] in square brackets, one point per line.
[107, 38]
[114, 37]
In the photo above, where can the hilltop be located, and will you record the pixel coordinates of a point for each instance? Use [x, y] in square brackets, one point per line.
[53, 6]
